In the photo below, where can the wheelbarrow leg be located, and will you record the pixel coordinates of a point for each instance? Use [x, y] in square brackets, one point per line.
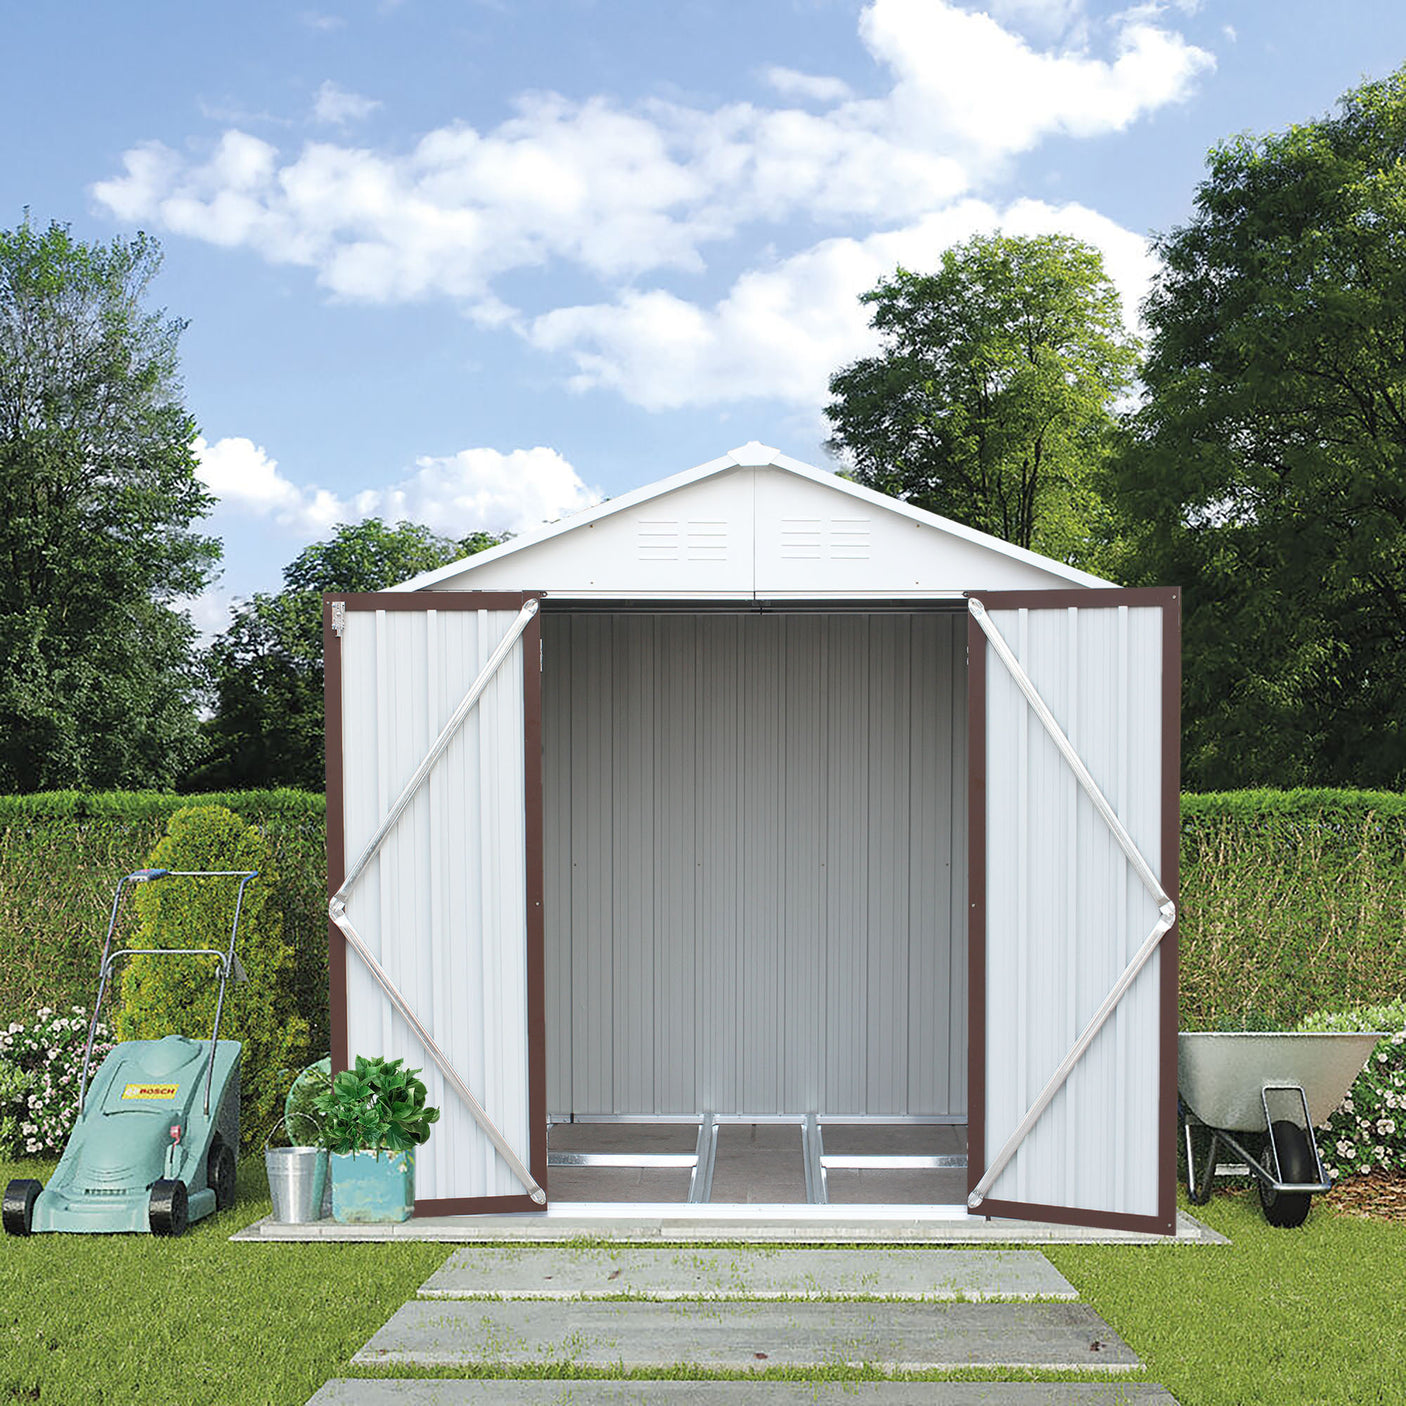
[1198, 1189]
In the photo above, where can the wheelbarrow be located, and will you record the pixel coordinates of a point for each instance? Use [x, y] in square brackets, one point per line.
[1260, 1095]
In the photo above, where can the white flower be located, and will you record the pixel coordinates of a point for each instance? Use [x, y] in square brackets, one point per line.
[1381, 1056]
[1386, 1126]
[1347, 1106]
[1346, 1149]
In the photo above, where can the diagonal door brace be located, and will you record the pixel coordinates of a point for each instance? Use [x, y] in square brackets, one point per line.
[1167, 910]
[337, 904]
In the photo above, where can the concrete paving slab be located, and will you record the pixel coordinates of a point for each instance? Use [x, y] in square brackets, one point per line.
[848, 1187]
[903, 1273]
[448, 1392]
[759, 1163]
[623, 1137]
[891, 1337]
[797, 1225]
[621, 1184]
[929, 1138]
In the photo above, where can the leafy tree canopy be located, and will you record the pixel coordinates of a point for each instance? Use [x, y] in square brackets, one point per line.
[991, 400]
[265, 670]
[98, 482]
[1267, 468]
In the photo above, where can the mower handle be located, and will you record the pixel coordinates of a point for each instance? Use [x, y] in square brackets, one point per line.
[228, 961]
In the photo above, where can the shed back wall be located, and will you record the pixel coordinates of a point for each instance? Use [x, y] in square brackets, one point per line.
[755, 850]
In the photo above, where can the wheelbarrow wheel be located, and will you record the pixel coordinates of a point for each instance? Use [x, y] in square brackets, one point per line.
[219, 1173]
[1287, 1209]
[167, 1209]
[18, 1208]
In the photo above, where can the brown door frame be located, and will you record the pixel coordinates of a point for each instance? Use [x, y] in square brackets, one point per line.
[1169, 600]
[336, 860]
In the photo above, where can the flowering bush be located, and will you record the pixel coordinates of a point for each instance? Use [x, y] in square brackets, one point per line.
[1368, 1131]
[40, 1066]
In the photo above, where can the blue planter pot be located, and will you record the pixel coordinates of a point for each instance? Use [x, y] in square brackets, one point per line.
[372, 1187]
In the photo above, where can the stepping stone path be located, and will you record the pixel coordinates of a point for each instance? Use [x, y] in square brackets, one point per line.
[646, 1310]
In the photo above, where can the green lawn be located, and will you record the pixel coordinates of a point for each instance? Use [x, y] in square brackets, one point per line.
[132, 1319]
[1314, 1315]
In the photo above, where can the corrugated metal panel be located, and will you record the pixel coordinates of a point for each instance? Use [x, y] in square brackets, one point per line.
[1064, 909]
[443, 905]
[755, 831]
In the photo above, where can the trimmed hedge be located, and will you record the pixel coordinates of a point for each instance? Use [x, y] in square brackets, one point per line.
[62, 853]
[1292, 901]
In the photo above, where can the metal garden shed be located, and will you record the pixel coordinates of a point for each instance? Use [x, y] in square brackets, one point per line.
[756, 795]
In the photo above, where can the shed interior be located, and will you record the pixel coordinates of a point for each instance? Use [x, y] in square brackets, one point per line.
[755, 900]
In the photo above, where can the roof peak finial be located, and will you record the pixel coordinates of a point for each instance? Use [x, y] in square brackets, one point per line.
[753, 455]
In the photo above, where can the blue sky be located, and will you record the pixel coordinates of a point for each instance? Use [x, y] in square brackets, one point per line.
[479, 263]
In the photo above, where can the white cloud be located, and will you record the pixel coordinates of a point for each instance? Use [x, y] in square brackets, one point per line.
[781, 332]
[457, 494]
[243, 477]
[808, 86]
[963, 76]
[1053, 17]
[482, 488]
[624, 192]
[339, 108]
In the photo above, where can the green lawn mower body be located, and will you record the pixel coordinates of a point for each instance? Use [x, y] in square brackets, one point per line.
[144, 1124]
[154, 1144]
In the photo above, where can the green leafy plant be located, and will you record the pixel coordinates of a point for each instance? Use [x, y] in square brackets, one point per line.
[375, 1106]
[177, 995]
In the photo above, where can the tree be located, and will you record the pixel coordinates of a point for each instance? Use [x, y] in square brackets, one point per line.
[98, 482]
[991, 400]
[265, 670]
[1267, 469]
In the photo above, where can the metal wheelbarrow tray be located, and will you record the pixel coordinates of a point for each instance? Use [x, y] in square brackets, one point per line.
[1261, 1094]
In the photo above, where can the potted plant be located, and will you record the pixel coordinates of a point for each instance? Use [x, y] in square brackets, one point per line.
[375, 1116]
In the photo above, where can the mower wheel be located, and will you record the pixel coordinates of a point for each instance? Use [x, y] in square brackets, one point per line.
[166, 1211]
[18, 1212]
[219, 1172]
[1288, 1208]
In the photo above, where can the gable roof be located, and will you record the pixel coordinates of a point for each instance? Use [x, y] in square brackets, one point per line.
[753, 523]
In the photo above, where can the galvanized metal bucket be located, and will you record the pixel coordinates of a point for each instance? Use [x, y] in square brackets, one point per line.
[297, 1183]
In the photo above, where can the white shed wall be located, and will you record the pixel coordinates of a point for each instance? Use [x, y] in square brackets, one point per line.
[1065, 911]
[443, 905]
[755, 862]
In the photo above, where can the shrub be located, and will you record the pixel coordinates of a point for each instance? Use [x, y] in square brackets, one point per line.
[1368, 1132]
[177, 995]
[62, 853]
[41, 1065]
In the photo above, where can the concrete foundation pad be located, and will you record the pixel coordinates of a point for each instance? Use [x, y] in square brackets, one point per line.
[909, 1272]
[890, 1336]
[516, 1392]
[762, 1225]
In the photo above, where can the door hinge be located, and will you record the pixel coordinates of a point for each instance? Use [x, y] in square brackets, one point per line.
[339, 617]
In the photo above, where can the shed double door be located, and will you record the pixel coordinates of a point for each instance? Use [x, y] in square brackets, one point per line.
[448, 908]
[1073, 881]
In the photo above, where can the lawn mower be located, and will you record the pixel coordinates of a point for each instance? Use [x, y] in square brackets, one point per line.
[154, 1144]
